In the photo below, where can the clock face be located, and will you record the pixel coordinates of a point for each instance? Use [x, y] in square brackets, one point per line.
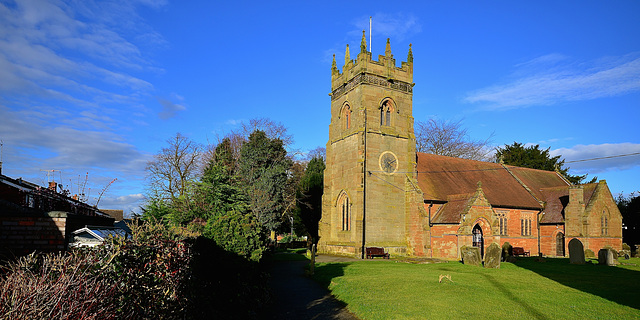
[388, 162]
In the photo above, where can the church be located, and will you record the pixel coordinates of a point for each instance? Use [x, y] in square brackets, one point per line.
[380, 192]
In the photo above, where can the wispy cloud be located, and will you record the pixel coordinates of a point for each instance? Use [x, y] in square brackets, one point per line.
[169, 109]
[397, 26]
[554, 78]
[74, 53]
[66, 147]
[616, 157]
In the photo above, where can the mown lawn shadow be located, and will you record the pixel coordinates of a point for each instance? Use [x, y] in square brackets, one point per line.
[615, 284]
[325, 272]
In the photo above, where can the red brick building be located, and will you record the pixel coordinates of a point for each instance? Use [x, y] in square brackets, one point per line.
[33, 218]
[477, 203]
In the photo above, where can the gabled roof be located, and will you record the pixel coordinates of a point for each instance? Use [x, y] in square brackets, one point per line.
[504, 186]
[452, 211]
[95, 235]
[557, 198]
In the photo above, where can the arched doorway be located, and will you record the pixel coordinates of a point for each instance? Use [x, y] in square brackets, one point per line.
[560, 244]
[478, 240]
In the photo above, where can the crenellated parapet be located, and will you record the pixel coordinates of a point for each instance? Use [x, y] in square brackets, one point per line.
[365, 70]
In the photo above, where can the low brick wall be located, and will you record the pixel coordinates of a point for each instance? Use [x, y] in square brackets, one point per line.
[22, 233]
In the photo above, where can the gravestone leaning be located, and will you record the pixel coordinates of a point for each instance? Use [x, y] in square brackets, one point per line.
[470, 255]
[576, 251]
[493, 256]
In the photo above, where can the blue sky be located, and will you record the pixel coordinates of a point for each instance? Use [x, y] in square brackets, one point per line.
[99, 87]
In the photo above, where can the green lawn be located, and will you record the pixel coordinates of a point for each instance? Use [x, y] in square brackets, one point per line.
[527, 289]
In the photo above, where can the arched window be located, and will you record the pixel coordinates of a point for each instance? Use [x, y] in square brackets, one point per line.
[346, 116]
[345, 208]
[385, 112]
[503, 223]
[525, 226]
[604, 224]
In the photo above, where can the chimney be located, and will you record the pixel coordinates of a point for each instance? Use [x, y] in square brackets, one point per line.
[53, 186]
[574, 211]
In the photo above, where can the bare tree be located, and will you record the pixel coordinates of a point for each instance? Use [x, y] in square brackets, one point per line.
[450, 139]
[233, 141]
[172, 169]
[272, 129]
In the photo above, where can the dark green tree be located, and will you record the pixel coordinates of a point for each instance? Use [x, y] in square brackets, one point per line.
[223, 201]
[263, 171]
[533, 157]
[630, 209]
[310, 196]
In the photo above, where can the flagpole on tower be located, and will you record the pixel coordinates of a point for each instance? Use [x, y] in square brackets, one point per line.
[370, 43]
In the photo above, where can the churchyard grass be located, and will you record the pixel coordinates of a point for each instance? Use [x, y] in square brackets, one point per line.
[527, 289]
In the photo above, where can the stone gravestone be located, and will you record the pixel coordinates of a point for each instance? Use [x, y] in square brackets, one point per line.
[576, 251]
[470, 255]
[608, 257]
[493, 256]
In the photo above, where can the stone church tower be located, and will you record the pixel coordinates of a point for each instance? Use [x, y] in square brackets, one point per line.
[370, 191]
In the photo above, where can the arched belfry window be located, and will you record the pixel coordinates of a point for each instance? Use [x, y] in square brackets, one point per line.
[385, 112]
[344, 207]
[346, 116]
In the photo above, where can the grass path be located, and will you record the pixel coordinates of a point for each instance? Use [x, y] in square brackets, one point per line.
[527, 289]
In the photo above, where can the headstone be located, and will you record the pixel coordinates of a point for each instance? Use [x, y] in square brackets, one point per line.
[608, 256]
[507, 251]
[493, 256]
[470, 255]
[576, 251]
[588, 253]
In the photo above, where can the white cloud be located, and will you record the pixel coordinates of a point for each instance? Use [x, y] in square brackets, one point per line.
[63, 147]
[129, 203]
[554, 78]
[611, 152]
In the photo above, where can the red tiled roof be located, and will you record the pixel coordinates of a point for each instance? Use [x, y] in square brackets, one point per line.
[440, 176]
[557, 199]
[538, 179]
[450, 212]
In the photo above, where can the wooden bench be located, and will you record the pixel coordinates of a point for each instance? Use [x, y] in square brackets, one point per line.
[519, 251]
[376, 252]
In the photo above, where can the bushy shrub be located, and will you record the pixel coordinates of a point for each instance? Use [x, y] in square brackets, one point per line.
[237, 232]
[162, 272]
[152, 270]
[57, 286]
[146, 277]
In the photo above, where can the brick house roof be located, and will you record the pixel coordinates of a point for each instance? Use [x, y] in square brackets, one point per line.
[446, 179]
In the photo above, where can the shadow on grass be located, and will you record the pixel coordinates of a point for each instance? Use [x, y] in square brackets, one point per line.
[325, 272]
[535, 314]
[612, 283]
